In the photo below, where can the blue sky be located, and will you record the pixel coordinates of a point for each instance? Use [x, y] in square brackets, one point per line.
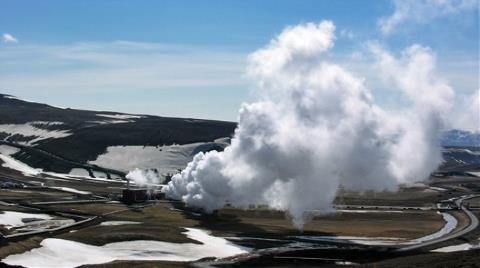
[187, 58]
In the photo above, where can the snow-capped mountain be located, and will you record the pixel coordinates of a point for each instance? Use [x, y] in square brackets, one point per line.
[461, 138]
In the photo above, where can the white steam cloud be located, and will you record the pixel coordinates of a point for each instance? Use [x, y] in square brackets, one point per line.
[144, 177]
[316, 126]
[468, 116]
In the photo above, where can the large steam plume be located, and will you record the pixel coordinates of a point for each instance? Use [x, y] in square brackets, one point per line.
[316, 126]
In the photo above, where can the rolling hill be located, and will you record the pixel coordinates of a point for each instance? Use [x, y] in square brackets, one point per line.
[60, 139]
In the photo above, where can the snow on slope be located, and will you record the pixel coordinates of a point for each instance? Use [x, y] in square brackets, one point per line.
[46, 123]
[462, 138]
[115, 118]
[107, 122]
[8, 150]
[64, 253]
[11, 163]
[6, 96]
[80, 172]
[166, 159]
[121, 116]
[461, 150]
[31, 131]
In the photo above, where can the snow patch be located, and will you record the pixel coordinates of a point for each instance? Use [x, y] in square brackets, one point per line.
[11, 219]
[31, 131]
[99, 174]
[460, 247]
[105, 122]
[79, 172]
[64, 253]
[116, 223]
[8, 150]
[11, 163]
[47, 123]
[461, 150]
[121, 116]
[166, 159]
[437, 189]
[10, 97]
[71, 190]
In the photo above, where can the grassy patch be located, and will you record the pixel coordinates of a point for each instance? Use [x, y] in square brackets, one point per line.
[158, 222]
[32, 195]
[90, 208]
[18, 247]
[275, 224]
[461, 259]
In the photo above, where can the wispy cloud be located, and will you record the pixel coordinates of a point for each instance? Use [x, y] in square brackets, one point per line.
[154, 78]
[422, 11]
[117, 66]
[459, 71]
[8, 38]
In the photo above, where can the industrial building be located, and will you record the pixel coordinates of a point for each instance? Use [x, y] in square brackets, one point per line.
[130, 196]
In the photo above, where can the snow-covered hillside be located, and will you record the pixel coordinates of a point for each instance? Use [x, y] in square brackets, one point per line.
[461, 138]
[165, 159]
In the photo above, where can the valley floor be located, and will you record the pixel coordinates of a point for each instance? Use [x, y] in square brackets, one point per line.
[51, 210]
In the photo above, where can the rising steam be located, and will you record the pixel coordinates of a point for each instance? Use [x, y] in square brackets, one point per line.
[315, 126]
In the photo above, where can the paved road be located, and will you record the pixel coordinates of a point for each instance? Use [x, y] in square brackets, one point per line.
[41, 231]
[369, 207]
[71, 202]
[473, 224]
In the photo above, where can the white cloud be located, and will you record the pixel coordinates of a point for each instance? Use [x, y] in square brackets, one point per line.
[467, 112]
[422, 11]
[304, 41]
[8, 38]
[151, 78]
[316, 127]
[117, 66]
[415, 73]
[344, 33]
[431, 98]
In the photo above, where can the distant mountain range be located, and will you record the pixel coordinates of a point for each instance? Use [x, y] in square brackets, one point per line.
[461, 138]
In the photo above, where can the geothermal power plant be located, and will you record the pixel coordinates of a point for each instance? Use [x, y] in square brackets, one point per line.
[239, 134]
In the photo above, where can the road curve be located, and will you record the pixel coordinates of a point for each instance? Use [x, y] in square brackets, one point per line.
[473, 224]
